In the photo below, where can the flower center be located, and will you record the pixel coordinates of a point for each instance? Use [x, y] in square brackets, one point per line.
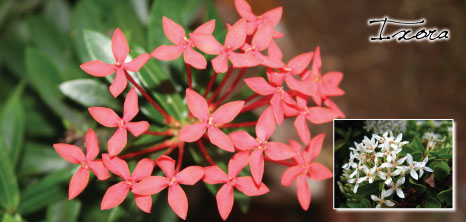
[84, 165]
[129, 182]
[209, 122]
[172, 181]
[232, 180]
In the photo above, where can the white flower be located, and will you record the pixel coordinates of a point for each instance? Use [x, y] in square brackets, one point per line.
[370, 144]
[422, 166]
[381, 200]
[351, 162]
[370, 175]
[390, 174]
[396, 187]
[412, 166]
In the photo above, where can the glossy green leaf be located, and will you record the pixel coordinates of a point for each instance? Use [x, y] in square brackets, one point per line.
[89, 92]
[419, 187]
[430, 202]
[441, 170]
[39, 159]
[125, 18]
[417, 145]
[12, 123]
[365, 203]
[58, 11]
[446, 196]
[66, 210]
[9, 193]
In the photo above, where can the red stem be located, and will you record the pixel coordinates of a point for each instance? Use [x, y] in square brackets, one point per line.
[281, 162]
[211, 83]
[259, 103]
[204, 152]
[232, 86]
[253, 96]
[148, 150]
[225, 79]
[238, 125]
[168, 118]
[164, 133]
[180, 156]
[188, 71]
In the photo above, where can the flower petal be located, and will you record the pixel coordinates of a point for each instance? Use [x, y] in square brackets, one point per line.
[302, 128]
[330, 104]
[150, 185]
[273, 15]
[225, 200]
[115, 195]
[116, 166]
[70, 153]
[167, 165]
[315, 146]
[274, 51]
[275, 101]
[330, 82]
[137, 128]
[120, 46]
[263, 36]
[290, 174]
[137, 63]
[240, 60]
[247, 186]
[98, 68]
[143, 202]
[243, 141]
[215, 175]
[400, 193]
[220, 63]
[197, 105]
[237, 163]
[92, 145]
[194, 58]
[174, 32]
[319, 115]
[99, 169]
[256, 165]
[119, 83]
[317, 62]
[220, 139]
[319, 172]
[131, 107]
[227, 112]
[167, 52]
[105, 116]
[265, 125]
[117, 142]
[143, 169]
[260, 86]
[303, 191]
[78, 182]
[244, 10]
[193, 132]
[178, 201]
[236, 35]
[206, 28]
[206, 43]
[300, 62]
[190, 175]
[279, 151]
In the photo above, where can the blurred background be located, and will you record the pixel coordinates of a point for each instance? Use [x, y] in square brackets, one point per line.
[382, 80]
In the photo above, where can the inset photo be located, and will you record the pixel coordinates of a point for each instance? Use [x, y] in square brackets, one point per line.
[394, 164]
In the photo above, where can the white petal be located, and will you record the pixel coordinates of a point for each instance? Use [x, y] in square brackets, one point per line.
[421, 172]
[400, 193]
[427, 169]
[374, 198]
[388, 181]
[389, 192]
[400, 181]
[378, 206]
[389, 203]
[413, 174]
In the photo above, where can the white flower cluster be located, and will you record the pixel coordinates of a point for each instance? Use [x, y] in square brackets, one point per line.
[378, 158]
[432, 139]
[381, 126]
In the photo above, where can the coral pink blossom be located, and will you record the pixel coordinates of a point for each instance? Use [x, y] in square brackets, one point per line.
[74, 154]
[215, 175]
[120, 51]
[261, 41]
[197, 105]
[176, 196]
[117, 193]
[108, 118]
[256, 147]
[273, 16]
[176, 34]
[304, 168]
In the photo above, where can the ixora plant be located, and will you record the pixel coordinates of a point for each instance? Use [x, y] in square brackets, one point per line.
[221, 146]
[396, 173]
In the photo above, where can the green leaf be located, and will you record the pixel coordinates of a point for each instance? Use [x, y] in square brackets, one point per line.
[430, 202]
[89, 92]
[58, 11]
[446, 196]
[365, 203]
[420, 188]
[441, 170]
[9, 194]
[368, 188]
[12, 123]
[417, 156]
[243, 201]
[39, 159]
[417, 145]
[66, 210]
[126, 19]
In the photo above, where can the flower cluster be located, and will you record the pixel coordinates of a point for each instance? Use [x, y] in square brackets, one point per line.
[381, 126]
[379, 158]
[284, 94]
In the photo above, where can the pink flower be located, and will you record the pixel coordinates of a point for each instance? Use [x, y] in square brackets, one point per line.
[176, 34]
[255, 147]
[215, 175]
[330, 104]
[197, 105]
[108, 118]
[117, 193]
[279, 98]
[120, 50]
[273, 16]
[74, 154]
[304, 168]
[235, 38]
[176, 196]
[261, 41]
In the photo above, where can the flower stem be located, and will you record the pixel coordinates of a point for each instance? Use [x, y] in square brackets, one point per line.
[167, 117]
[253, 96]
[188, 72]
[180, 156]
[163, 133]
[148, 150]
[259, 103]
[232, 86]
[211, 83]
[281, 162]
[204, 152]
[238, 125]
[217, 90]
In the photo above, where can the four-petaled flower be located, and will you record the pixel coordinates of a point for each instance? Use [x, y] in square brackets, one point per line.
[197, 105]
[117, 193]
[395, 187]
[254, 22]
[120, 50]
[380, 200]
[74, 154]
[108, 118]
[215, 175]
[304, 168]
[176, 196]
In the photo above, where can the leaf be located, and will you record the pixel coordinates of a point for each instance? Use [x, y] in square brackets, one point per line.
[365, 203]
[417, 156]
[66, 210]
[89, 92]
[441, 170]
[9, 193]
[243, 201]
[39, 159]
[126, 19]
[446, 196]
[417, 145]
[58, 11]
[420, 188]
[368, 188]
[12, 123]
[430, 202]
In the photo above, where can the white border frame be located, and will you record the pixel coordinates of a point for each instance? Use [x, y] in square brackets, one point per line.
[451, 210]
